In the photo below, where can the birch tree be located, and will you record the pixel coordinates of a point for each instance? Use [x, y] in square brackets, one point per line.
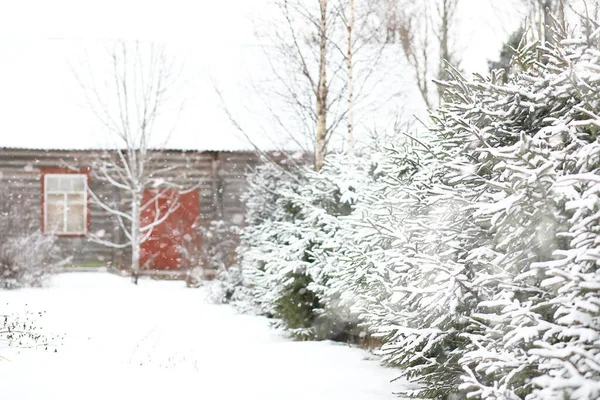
[128, 105]
[322, 89]
[297, 44]
[349, 27]
[314, 86]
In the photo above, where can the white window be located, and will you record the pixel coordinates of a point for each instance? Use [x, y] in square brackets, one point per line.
[65, 203]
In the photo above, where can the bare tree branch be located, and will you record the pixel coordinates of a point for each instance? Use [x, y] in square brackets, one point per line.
[140, 78]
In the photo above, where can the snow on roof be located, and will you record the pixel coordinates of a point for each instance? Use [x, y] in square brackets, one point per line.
[45, 107]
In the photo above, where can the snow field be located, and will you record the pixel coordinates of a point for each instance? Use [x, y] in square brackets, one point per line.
[162, 340]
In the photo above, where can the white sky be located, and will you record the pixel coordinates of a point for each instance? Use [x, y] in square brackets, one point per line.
[41, 42]
[204, 22]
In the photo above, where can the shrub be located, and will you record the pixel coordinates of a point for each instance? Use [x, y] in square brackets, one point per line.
[212, 252]
[218, 241]
[286, 253]
[26, 261]
[27, 256]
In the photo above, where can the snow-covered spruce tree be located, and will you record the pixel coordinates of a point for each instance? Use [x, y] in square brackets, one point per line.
[263, 213]
[404, 266]
[451, 262]
[325, 201]
[285, 247]
[569, 352]
[540, 328]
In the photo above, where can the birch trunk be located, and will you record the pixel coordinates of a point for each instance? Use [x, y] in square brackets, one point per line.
[135, 237]
[350, 138]
[321, 103]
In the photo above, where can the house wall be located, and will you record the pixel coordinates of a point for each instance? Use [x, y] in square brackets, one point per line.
[219, 177]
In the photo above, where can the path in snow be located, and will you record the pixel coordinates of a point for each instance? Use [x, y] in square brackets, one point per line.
[161, 340]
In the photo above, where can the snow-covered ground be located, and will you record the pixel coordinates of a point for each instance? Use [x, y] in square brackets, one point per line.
[160, 340]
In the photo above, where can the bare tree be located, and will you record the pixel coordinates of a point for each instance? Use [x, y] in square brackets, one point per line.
[446, 15]
[299, 55]
[364, 47]
[128, 106]
[296, 44]
[589, 17]
[323, 57]
[539, 14]
[303, 91]
[423, 29]
[413, 33]
[547, 20]
[356, 44]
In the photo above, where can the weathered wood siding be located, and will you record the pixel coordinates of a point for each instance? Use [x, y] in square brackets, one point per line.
[219, 177]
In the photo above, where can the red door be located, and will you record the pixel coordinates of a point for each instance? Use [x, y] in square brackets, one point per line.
[166, 248]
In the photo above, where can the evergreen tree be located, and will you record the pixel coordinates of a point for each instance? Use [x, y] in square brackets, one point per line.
[285, 251]
[456, 266]
[521, 330]
[471, 251]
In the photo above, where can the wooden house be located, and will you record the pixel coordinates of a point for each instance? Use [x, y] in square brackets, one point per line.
[53, 186]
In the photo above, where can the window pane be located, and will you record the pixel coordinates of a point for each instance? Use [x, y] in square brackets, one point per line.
[54, 217]
[75, 218]
[51, 182]
[64, 183]
[65, 204]
[78, 183]
[55, 198]
[75, 198]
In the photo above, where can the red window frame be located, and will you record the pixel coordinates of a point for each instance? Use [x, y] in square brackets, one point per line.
[65, 171]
